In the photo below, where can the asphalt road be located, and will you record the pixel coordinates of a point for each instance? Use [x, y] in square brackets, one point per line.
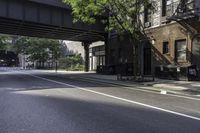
[57, 103]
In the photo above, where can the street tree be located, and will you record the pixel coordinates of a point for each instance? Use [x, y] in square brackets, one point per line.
[4, 42]
[21, 45]
[122, 17]
[38, 49]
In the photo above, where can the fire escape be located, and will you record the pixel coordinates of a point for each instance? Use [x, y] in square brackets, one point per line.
[187, 14]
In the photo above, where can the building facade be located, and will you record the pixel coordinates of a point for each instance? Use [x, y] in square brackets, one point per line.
[173, 30]
[96, 52]
[173, 38]
[97, 55]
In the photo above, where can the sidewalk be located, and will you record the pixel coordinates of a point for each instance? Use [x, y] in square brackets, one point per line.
[191, 88]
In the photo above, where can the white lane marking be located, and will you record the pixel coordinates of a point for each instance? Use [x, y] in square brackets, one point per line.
[118, 98]
[143, 89]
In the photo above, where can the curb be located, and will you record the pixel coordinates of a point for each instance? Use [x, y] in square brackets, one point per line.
[142, 86]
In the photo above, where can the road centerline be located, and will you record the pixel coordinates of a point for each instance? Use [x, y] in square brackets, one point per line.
[115, 97]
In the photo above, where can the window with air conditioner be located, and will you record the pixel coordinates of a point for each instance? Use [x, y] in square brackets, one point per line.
[169, 7]
[147, 18]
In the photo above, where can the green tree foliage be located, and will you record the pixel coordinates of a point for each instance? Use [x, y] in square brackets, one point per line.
[21, 45]
[72, 63]
[5, 42]
[123, 16]
[38, 49]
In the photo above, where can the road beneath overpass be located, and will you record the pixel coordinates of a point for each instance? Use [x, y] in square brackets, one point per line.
[32, 102]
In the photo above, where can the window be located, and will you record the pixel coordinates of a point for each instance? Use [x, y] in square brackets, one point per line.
[90, 50]
[165, 47]
[164, 3]
[180, 50]
[147, 15]
[102, 48]
[169, 7]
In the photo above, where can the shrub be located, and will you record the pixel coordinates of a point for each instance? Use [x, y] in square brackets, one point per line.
[71, 63]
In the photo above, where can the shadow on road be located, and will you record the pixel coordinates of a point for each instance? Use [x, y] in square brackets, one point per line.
[91, 115]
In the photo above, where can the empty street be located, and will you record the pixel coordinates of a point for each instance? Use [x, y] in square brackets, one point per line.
[41, 102]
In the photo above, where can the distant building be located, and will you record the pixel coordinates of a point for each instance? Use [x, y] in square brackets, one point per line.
[8, 59]
[71, 48]
[97, 55]
[96, 52]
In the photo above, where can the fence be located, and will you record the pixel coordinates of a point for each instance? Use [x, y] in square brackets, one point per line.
[174, 72]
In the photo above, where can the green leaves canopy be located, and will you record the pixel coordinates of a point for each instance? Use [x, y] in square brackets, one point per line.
[121, 16]
[4, 42]
[124, 15]
[38, 49]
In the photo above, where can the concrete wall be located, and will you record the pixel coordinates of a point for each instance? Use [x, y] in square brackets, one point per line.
[95, 44]
[72, 48]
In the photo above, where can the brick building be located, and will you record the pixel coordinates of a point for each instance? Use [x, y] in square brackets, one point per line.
[173, 30]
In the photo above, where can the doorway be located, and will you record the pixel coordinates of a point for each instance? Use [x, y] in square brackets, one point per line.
[196, 50]
[147, 61]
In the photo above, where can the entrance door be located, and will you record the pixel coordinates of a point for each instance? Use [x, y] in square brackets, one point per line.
[147, 61]
[196, 51]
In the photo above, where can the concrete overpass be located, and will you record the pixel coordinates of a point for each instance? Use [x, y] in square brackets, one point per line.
[48, 19]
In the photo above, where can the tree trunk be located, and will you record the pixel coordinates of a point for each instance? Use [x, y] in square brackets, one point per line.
[135, 42]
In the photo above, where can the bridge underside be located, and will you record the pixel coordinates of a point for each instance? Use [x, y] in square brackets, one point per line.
[35, 19]
[15, 27]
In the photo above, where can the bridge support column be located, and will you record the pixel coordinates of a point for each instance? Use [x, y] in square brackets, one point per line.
[86, 48]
